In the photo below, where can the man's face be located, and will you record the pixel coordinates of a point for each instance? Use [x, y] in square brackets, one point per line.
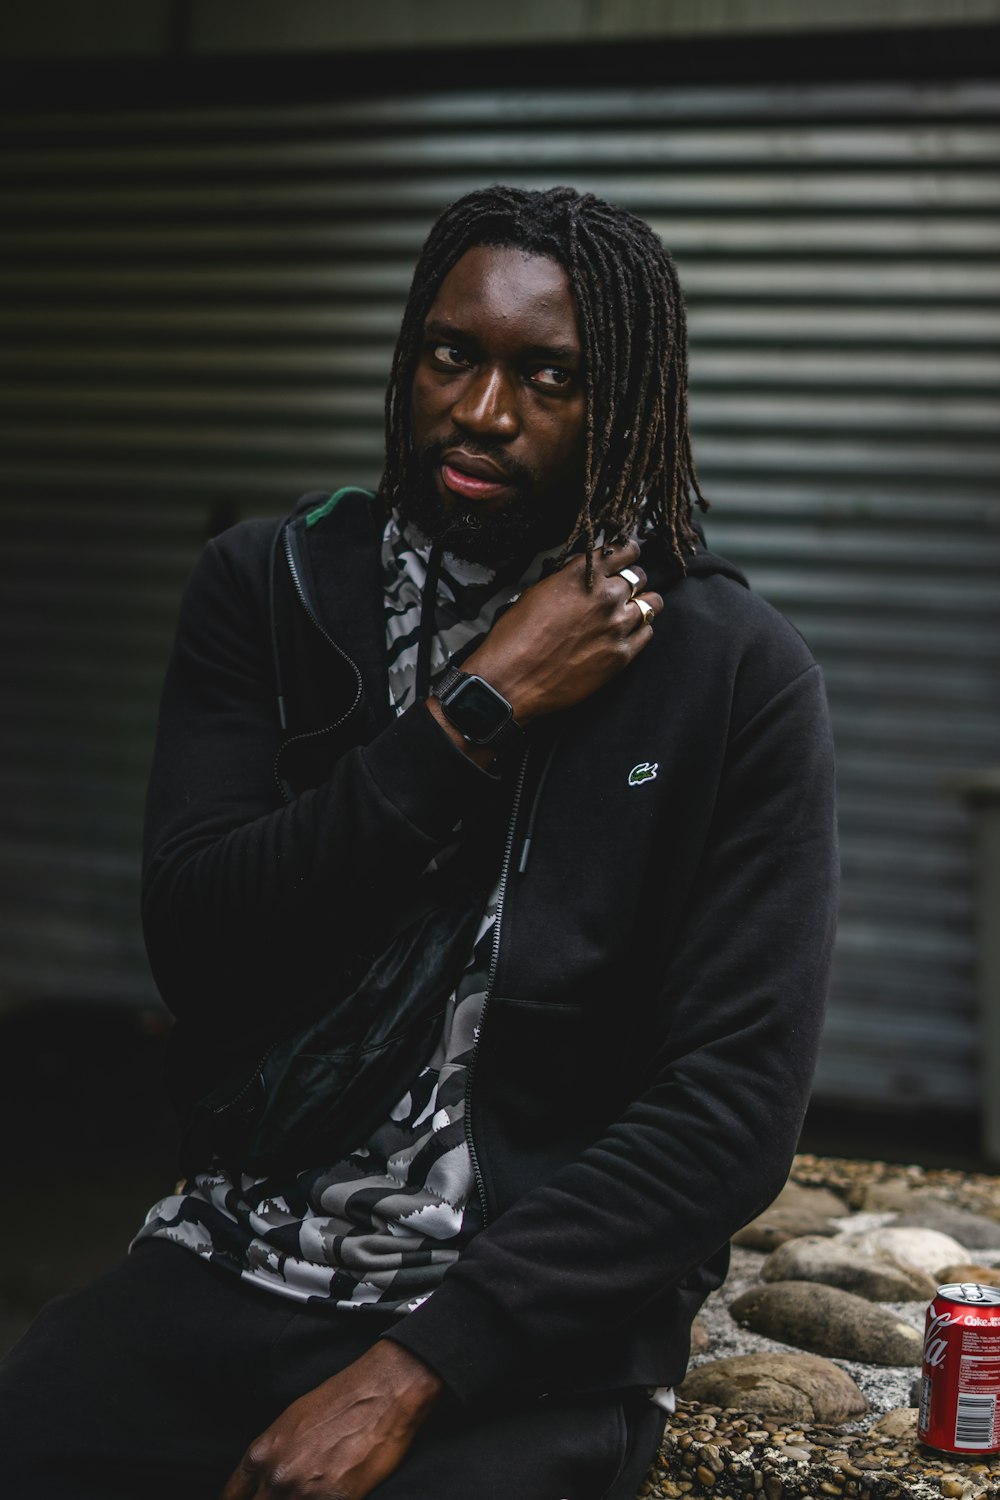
[498, 408]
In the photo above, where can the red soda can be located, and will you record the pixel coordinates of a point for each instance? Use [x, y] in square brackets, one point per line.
[960, 1384]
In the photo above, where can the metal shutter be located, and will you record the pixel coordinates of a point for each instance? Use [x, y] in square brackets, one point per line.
[201, 306]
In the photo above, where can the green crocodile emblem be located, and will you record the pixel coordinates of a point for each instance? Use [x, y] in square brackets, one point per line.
[645, 771]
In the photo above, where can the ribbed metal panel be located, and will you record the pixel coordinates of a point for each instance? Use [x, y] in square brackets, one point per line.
[200, 308]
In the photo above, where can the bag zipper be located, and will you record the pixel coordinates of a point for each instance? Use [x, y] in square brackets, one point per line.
[490, 979]
[313, 734]
[218, 1109]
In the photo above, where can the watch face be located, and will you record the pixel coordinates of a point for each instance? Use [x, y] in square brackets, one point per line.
[475, 709]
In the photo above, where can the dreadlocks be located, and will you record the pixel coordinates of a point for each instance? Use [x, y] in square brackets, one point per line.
[638, 462]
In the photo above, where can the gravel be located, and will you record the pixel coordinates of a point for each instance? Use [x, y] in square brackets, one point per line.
[708, 1451]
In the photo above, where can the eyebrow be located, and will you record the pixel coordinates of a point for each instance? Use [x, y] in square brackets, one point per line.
[554, 353]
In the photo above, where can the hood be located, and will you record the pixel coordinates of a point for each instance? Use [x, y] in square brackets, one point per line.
[665, 572]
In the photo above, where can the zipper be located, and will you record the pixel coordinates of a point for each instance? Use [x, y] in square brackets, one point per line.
[490, 979]
[313, 734]
[529, 834]
[218, 1109]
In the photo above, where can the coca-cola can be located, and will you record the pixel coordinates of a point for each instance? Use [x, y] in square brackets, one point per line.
[960, 1384]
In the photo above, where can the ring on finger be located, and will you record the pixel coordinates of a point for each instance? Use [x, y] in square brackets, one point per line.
[632, 579]
[646, 610]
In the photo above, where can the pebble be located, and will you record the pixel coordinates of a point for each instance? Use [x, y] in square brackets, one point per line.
[828, 1321]
[920, 1249]
[817, 1199]
[901, 1423]
[796, 1211]
[723, 1451]
[974, 1231]
[874, 1277]
[868, 1465]
[856, 1180]
[700, 1340]
[899, 1196]
[802, 1387]
[984, 1275]
[777, 1225]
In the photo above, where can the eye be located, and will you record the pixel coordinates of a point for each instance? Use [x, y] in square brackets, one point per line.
[553, 376]
[448, 355]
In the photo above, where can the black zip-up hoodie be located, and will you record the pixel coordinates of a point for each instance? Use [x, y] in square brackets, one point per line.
[664, 941]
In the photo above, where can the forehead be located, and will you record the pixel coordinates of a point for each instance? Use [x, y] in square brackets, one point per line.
[504, 292]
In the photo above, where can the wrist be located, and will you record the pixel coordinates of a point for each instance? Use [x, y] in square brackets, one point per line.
[505, 679]
[478, 711]
[482, 755]
[416, 1387]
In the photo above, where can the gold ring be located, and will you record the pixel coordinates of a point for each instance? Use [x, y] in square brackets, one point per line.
[646, 610]
[632, 579]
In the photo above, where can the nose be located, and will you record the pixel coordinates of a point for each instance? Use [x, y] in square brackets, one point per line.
[487, 405]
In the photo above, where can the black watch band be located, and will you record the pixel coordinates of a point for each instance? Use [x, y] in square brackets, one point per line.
[479, 713]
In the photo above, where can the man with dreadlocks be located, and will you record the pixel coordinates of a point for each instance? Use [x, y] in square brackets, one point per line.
[489, 872]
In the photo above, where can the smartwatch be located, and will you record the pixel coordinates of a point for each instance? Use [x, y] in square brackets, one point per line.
[479, 713]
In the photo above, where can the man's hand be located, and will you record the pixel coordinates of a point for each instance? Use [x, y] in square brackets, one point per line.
[343, 1438]
[560, 642]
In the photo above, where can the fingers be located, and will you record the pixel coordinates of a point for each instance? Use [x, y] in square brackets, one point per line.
[634, 578]
[607, 561]
[621, 560]
[618, 555]
[242, 1483]
[645, 607]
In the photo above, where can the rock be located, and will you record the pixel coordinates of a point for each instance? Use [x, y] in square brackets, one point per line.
[796, 1211]
[897, 1424]
[966, 1271]
[974, 1231]
[789, 1387]
[918, 1249]
[829, 1321]
[819, 1200]
[700, 1338]
[898, 1196]
[777, 1225]
[876, 1278]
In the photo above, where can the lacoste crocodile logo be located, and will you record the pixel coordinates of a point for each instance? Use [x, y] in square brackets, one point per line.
[645, 771]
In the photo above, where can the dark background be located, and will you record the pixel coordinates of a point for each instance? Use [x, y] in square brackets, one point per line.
[213, 211]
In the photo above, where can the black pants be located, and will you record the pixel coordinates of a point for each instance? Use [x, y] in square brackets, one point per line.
[153, 1381]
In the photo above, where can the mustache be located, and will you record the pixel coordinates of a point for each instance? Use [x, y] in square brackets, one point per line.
[433, 453]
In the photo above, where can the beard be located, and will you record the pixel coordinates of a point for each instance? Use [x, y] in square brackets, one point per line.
[494, 538]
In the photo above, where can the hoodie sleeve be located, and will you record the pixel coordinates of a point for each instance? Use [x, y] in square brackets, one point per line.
[708, 1140]
[245, 897]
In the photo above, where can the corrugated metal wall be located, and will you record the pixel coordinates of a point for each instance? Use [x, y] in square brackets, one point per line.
[201, 307]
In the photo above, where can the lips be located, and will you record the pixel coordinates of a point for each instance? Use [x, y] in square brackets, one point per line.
[471, 476]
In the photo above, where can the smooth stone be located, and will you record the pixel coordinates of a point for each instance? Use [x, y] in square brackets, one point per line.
[818, 1200]
[968, 1271]
[834, 1264]
[789, 1387]
[700, 1338]
[918, 1249]
[826, 1320]
[899, 1423]
[796, 1211]
[898, 1197]
[974, 1231]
